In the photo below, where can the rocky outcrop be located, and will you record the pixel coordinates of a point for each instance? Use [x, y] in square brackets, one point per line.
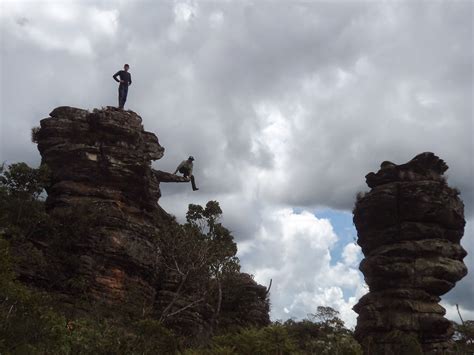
[409, 228]
[112, 242]
[244, 303]
[101, 162]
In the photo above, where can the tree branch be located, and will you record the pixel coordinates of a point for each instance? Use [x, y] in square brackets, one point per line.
[185, 307]
[269, 287]
[462, 320]
[164, 314]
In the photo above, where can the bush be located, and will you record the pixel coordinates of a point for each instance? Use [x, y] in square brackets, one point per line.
[273, 339]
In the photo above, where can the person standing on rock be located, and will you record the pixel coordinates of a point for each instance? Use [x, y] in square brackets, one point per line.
[125, 81]
[186, 168]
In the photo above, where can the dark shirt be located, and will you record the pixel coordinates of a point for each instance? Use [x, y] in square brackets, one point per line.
[124, 75]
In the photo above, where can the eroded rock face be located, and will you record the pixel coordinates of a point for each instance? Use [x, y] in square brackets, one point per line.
[101, 160]
[409, 228]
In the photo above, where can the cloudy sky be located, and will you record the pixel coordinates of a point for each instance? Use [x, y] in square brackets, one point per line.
[286, 106]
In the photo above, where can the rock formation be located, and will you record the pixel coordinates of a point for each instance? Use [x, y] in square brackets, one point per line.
[409, 228]
[102, 161]
[100, 164]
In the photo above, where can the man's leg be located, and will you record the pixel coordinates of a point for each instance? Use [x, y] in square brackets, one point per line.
[193, 183]
[121, 95]
[125, 92]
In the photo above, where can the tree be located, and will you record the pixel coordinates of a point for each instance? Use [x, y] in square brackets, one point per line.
[464, 337]
[220, 246]
[185, 262]
[21, 209]
[328, 317]
[198, 254]
[334, 337]
[22, 181]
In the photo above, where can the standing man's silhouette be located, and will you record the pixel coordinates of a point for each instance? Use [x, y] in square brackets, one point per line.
[125, 81]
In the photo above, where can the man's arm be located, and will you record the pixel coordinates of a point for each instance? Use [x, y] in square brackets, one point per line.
[130, 80]
[115, 76]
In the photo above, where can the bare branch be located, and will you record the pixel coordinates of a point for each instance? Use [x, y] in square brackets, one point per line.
[185, 307]
[164, 314]
[462, 320]
[177, 267]
[10, 310]
[269, 287]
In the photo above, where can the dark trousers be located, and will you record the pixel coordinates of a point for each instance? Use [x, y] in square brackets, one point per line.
[123, 91]
[185, 172]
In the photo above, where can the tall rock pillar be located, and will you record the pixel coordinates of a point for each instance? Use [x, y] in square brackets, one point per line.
[409, 227]
[100, 162]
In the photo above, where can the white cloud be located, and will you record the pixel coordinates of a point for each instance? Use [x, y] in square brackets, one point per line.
[69, 26]
[184, 12]
[351, 254]
[103, 22]
[294, 250]
[216, 19]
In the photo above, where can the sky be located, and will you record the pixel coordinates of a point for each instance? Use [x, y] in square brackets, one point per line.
[285, 105]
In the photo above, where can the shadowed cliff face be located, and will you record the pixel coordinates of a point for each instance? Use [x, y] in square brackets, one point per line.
[409, 227]
[102, 161]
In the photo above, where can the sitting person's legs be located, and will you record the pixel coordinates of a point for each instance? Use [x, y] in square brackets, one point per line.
[193, 183]
[185, 173]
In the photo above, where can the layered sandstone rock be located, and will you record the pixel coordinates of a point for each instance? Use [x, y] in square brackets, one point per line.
[409, 228]
[101, 162]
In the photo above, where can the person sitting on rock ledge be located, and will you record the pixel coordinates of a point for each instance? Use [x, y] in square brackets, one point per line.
[186, 168]
[125, 81]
